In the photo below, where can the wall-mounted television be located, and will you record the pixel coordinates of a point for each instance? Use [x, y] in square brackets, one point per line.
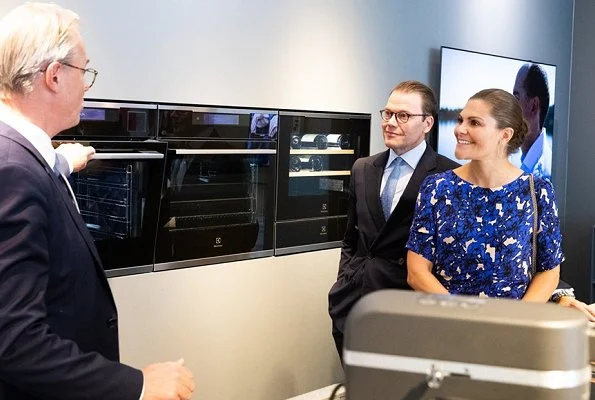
[464, 73]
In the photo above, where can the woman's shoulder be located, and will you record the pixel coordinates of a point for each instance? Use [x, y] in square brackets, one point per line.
[542, 182]
[542, 185]
[544, 189]
[439, 182]
[441, 176]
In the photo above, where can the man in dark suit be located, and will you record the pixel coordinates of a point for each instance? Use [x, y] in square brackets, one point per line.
[382, 202]
[58, 319]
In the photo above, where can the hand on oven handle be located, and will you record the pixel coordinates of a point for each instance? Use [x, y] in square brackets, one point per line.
[76, 155]
[140, 155]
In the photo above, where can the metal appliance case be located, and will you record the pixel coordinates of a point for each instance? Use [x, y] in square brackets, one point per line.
[408, 345]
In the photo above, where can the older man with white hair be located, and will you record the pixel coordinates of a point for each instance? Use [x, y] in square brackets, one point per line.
[58, 319]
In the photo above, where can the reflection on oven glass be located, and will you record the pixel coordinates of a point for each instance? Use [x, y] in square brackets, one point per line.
[211, 192]
[215, 206]
[110, 198]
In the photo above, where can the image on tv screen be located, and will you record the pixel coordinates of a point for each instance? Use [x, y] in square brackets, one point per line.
[464, 73]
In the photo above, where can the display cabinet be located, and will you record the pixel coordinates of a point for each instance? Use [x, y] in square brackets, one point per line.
[316, 153]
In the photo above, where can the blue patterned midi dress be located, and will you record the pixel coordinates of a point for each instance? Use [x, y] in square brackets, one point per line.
[479, 239]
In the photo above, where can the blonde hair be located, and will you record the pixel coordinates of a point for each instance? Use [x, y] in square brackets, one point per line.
[32, 36]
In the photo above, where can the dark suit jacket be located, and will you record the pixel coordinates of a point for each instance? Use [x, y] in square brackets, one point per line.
[58, 320]
[373, 255]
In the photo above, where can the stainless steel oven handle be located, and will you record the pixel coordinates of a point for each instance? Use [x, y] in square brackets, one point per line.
[112, 105]
[225, 151]
[128, 156]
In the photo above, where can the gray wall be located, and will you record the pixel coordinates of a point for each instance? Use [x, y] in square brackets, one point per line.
[258, 329]
[580, 194]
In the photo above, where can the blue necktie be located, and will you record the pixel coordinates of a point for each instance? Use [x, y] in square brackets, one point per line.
[388, 193]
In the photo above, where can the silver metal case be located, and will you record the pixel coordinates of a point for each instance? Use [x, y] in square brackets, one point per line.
[408, 345]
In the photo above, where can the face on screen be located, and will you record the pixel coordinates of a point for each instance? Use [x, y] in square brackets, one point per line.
[520, 93]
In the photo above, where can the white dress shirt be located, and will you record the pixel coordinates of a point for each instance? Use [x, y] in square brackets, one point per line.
[38, 139]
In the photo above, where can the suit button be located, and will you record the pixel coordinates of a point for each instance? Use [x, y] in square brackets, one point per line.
[112, 322]
[401, 261]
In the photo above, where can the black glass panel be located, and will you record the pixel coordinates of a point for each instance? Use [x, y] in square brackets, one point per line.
[218, 199]
[114, 120]
[216, 124]
[119, 200]
[310, 231]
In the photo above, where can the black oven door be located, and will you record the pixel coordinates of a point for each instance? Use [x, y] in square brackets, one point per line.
[118, 195]
[218, 202]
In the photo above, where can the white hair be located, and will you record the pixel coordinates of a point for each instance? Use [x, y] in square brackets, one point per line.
[32, 36]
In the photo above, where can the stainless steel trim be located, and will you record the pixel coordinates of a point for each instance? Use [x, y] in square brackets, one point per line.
[487, 373]
[322, 115]
[305, 174]
[101, 104]
[291, 221]
[128, 156]
[307, 247]
[215, 110]
[225, 151]
[141, 269]
[330, 151]
[212, 260]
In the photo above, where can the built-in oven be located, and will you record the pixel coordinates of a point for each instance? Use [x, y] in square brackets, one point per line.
[316, 153]
[118, 193]
[219, 188]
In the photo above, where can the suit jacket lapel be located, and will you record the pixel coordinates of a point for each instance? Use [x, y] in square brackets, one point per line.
[76, 217]
[65, 197]
[373, 180]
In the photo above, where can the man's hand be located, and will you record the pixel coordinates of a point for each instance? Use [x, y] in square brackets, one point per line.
[168, 381]
[77, 155]
[571, 302]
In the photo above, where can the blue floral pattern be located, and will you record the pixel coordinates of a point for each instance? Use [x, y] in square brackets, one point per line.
[479, 239]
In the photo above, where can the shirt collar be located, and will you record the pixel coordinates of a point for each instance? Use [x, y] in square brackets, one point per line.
[532, 156]
[34, 134]
[411, 157]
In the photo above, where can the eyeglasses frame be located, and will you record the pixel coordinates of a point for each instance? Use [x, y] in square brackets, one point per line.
[91, 70]
[395, 114]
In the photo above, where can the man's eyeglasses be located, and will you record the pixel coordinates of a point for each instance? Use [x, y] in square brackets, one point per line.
[401, 116]
[90, 74]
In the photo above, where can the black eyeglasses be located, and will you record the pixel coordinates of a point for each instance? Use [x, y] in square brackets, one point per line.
[90, 74]
[402, 116]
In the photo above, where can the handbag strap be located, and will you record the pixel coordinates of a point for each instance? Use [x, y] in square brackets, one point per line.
[535, 221]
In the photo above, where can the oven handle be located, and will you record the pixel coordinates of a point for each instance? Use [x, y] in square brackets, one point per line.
[225, 151]
[128, 156]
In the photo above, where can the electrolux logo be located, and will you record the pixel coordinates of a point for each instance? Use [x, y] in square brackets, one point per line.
[218, 242]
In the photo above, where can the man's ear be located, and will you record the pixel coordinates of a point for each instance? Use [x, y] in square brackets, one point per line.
[429, 121]
[52, 76]
[535, 105]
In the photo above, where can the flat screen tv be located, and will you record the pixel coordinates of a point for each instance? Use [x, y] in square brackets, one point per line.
[464, 73]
